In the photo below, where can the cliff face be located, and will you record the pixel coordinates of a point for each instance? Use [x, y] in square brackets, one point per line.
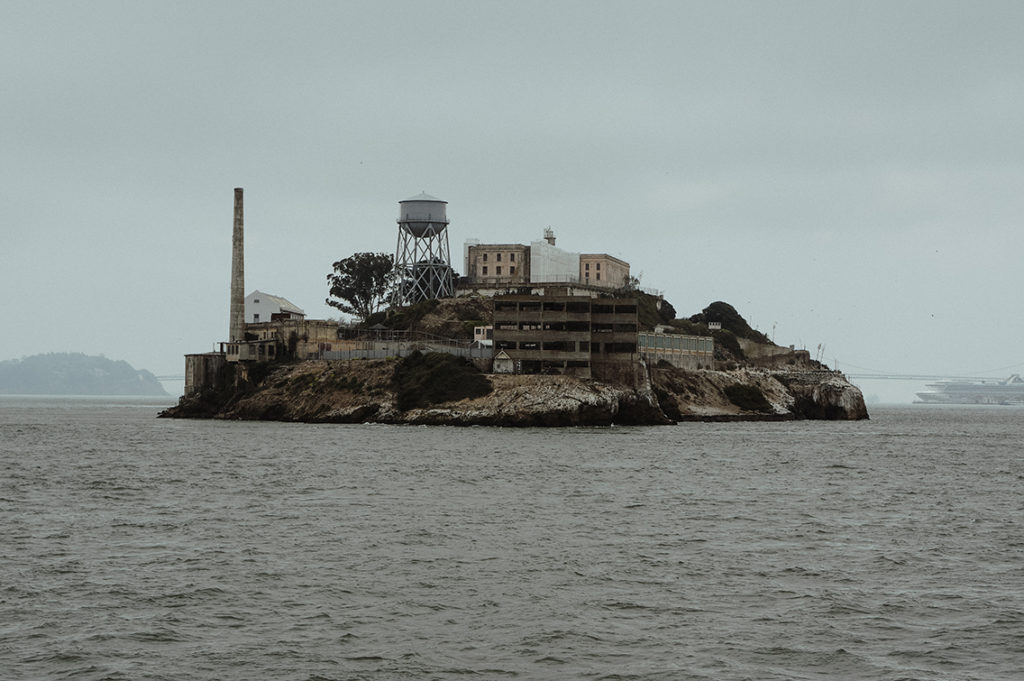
[362, 392]
[705, 395]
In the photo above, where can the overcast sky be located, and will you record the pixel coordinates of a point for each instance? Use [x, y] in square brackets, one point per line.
[848, 174]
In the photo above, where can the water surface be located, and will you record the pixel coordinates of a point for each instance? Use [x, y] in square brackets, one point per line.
[144, 548]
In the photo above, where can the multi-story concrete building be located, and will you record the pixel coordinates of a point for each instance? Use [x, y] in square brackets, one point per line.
[601, 269]
[564, 334]
[498, 264]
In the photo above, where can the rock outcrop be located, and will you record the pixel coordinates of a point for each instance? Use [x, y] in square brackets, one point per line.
[704, 395]
[361, 391]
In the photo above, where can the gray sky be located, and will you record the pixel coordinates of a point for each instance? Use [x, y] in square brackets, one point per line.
[843, 173]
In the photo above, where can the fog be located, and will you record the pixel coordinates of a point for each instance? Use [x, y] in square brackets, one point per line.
[845, 174]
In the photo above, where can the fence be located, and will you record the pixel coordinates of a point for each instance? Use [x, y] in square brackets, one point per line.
[386, 349]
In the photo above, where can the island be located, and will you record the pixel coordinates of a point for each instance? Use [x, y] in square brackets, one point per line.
[745, 377]
[69, 373]
[531, 335]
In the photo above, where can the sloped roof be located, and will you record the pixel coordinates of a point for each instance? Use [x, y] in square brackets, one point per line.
[285, 304]
[423, 196]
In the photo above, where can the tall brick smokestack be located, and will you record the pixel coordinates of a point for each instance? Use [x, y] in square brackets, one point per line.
[237, 331]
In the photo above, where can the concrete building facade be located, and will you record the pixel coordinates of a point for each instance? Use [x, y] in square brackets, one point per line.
[542, 263]
[498, 264]
[565, 334]
[601, 269]
[283, 338]
[685, 352]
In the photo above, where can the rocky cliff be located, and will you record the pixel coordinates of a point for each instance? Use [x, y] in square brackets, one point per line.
[361, 391]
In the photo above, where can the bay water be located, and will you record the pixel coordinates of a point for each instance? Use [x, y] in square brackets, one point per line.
[133, 547]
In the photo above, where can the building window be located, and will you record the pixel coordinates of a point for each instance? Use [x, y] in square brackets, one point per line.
[599, 276]
[511, 257]
[598, 265]
[498, 257]
[512, 269]
[255, 300]
[485, 257]
[485, 269]
[497, 270]
[587, 266]
[256, 317]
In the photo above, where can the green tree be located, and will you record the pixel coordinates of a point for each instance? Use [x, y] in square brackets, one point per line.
[730, 319]
[361, 283]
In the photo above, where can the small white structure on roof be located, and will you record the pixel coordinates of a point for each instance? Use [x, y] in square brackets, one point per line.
[264, 307]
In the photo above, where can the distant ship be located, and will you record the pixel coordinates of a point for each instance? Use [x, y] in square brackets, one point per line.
[1007, 391]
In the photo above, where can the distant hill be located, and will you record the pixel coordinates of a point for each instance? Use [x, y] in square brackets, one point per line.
[75, 374]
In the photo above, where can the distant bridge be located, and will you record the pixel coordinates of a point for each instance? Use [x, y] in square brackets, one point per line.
[919, 377]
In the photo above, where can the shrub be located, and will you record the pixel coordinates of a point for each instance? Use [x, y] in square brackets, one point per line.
[727, 341]
[257, 371]
[421, 379]
[731, 320]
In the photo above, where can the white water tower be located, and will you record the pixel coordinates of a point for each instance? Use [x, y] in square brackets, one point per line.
[422, 260]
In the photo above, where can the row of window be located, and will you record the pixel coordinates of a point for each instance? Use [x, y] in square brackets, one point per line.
[497, 257]
[566, 346]
[497, 269]
[574, 307]
[586, 266]
[673, 342]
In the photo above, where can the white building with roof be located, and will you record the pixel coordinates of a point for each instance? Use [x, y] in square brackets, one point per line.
[264, 307]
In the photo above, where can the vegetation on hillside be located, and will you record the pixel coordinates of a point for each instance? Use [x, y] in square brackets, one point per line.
[731, 321]
[420, 380]
[653, 310]
[448, 318]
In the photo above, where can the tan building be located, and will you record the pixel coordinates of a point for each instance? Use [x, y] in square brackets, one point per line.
[498, 264]
[284, 338]
[601, 269]
[685, 352]
[564, 334]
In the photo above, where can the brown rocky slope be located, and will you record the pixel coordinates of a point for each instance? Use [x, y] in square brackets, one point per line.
[364, 391]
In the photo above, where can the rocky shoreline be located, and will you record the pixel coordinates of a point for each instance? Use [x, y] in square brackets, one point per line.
[361, 391]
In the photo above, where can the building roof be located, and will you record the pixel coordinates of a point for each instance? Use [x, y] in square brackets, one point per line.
[604, 256]
[423, 196]
[283, 303]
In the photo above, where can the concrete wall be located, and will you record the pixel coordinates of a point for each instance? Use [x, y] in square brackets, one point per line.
[685, 352]
[551, 264]
[202, 371]
[601, 269]
[498, 264]
[565, 334]
[754, 350]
